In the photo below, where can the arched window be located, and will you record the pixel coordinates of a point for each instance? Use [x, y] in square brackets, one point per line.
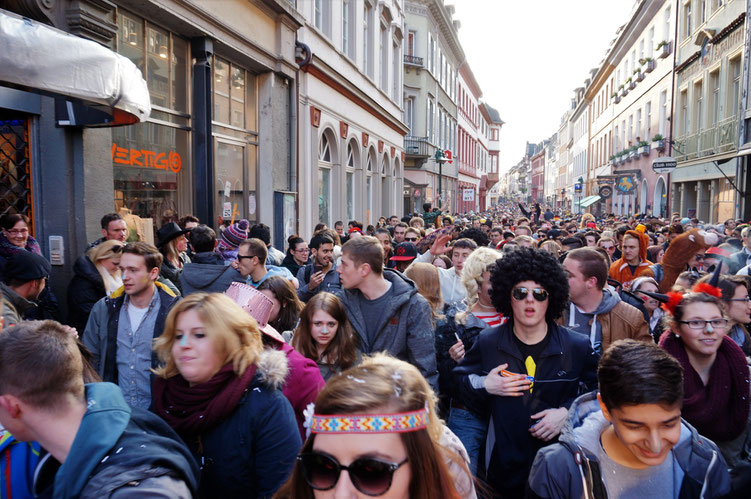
[324, 149]
[326, 153]
[369, 215]
[352, 160]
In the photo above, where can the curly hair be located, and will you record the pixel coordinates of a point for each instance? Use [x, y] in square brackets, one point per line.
[527, 264]
[477, 235]
[477, 263]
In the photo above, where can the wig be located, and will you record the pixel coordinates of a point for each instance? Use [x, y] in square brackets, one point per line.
[477, 263]
[527, 264]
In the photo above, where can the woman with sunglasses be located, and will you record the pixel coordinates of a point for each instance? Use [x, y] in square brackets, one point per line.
[219, 389]
[374, 431]
[526, 372]
[715, 371]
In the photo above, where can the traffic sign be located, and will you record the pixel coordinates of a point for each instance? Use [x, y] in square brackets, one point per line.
[664, 165]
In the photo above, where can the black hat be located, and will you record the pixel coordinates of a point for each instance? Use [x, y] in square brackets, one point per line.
[168, 232]
[404, 252]
[27, 266]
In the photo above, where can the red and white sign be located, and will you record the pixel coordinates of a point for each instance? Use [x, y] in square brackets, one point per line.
[468, 194]
[447, 154]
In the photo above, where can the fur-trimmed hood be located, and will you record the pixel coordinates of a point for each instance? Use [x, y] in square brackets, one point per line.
[272, 368]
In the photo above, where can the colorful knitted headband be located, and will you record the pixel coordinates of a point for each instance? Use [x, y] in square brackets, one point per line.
[370, 423]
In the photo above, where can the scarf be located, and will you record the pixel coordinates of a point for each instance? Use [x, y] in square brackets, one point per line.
[720, 409]
[191, 410]
[8, 249]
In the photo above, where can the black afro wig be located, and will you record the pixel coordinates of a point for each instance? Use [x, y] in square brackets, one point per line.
[527, 264]
[477, 235]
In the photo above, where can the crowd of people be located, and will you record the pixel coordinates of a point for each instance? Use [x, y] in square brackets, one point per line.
[517, 352]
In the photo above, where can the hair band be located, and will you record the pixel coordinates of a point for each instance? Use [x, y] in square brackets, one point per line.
[401, 422]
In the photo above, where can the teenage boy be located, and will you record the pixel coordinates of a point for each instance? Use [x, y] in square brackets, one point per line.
[98, 446]
[320, 274]
[634, 261]
[628, 439]
[385, 308]
[452, 289]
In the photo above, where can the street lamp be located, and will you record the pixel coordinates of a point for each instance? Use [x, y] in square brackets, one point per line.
[578, 191]
[440, 158]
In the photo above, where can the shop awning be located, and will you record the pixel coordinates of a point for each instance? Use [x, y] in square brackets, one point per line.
[45, 59]
[589, 200]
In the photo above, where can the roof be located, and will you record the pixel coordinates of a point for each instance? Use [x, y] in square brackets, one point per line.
[495, 117]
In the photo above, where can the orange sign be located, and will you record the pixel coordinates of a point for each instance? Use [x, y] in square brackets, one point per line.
[147, 159]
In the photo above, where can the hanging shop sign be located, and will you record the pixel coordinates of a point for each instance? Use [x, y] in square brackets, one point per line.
[625, 184]
[605, 191]
[664, 165]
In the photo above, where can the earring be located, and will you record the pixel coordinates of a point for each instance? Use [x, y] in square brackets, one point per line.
[677, 335]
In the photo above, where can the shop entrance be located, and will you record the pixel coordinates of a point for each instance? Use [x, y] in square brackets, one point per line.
[15, 167]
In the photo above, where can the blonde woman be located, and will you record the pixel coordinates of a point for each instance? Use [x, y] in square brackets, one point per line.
[219, 390]
[425, 276]
[418, 459]
[455, 335]
[95, 275]
[552, 247]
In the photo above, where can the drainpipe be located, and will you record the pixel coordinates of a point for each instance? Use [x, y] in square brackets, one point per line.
[294, 171]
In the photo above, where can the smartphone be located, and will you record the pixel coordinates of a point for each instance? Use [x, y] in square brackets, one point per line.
[317, 268]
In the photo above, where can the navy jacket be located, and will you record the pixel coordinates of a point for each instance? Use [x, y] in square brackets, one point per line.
[566, 368]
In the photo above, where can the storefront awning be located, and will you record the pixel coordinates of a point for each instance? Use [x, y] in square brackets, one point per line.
[589, 200]
[45, 59]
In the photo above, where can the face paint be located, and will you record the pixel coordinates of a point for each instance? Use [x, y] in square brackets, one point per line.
[184, 340]
[324, 330]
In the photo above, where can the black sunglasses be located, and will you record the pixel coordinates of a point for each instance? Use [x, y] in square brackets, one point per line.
[537, 293]
[410, 239]
[241, 257]
[370, 476]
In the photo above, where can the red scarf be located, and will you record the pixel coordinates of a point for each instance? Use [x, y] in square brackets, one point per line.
[720, 409]
[191, 410]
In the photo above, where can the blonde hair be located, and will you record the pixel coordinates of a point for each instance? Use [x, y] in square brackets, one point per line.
[232, 330]
[104, 251]
[551, 247]
[586, 218]
[428, 284]
[478, 262]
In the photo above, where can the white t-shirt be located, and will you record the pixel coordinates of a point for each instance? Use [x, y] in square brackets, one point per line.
[136, 316]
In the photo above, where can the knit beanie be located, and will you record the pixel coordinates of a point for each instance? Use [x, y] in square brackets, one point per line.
[235, 234]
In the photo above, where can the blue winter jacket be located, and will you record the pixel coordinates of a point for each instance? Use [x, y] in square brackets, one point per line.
[570, 470]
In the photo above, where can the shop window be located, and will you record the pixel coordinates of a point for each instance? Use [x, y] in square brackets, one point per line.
[15, 167]
[235, 133]
[151, 160]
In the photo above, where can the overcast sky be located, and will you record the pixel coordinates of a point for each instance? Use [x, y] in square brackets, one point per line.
[529, 56]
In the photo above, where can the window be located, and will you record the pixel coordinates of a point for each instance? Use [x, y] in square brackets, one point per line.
[350, 209]
[616, 146]
[325, 156]
[650, 43]
[367, 52]
[687, 29]
[663, 112]
[348, 28]
[384, 47]
[684, 112]
[734, 87]
[641, 48]
[396, 62]
[638, 124]
[429, 127]
[666, 34]
[647, 121]
[630, 128]
[411, 43]
[698, 105]
[702, 11]
[409, 106]
[322, 16]
[714, 98]
[431, 52]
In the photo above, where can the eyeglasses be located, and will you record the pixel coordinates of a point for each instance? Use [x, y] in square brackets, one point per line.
[410, 239]
[702, 324]
[302, 250]
[699, 258]
[17, 232]
[746, 299]
[242, 257]
[117, 248]
[521, 294]
[370, 476]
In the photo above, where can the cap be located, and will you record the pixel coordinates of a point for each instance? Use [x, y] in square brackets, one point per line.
[27, 266]
[685, 220]
[404, 252]
[168, 232]
[591, 225]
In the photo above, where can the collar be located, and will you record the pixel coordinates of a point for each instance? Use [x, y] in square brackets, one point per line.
[506, 342]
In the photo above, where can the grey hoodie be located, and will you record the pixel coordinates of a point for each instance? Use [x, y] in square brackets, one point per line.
[405, 329]
[578, 321]
[213, 277]
[571, 469]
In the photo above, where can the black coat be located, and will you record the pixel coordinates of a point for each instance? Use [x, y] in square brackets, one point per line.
[566, 368]
[85, 289]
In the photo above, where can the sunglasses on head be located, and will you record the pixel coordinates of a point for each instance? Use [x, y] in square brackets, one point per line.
[537, 293]
[369, 475]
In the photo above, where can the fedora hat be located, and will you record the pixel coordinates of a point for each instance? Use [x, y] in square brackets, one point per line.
[168, 232]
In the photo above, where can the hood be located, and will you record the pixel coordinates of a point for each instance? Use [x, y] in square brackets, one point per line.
[203, 275]
[208, 258]
[609, 300]
[86, 269]
[643, 243]
[106, 417]
[272, 367]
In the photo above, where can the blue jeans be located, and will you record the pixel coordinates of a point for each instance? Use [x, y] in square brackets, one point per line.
[471, 430]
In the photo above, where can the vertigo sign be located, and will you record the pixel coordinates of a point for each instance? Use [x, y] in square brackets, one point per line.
[143, 158]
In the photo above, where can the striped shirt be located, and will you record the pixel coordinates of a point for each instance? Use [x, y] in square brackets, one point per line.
[491, 318]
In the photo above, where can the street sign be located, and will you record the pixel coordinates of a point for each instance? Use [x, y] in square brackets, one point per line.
[447, 154]
[664, 165]
[606, 191]
[577, 188]
[468, 194]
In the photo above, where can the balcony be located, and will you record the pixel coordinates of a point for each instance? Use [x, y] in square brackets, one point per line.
[413, 60]
[722, 137]
[418, 147]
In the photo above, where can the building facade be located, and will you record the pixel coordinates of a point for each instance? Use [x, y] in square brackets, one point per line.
[492, 141]
[469, 148]
[707, 109]
[351, 134]
[432, 59]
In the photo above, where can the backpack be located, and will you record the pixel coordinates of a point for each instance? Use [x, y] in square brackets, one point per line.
[18, 460]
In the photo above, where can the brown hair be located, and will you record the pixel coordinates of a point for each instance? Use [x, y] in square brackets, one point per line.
[290, 304]
[551, 246]
[7, 222]
[232, 330]
[428, 284]
[41, 364]
[591, 263]
[366, 249]
[147, 251]
[673, 319]
[383, 383]
[256, 247]
[342, 350]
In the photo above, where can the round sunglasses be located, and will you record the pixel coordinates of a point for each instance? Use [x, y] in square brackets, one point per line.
[370, 476]
[537, 293]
